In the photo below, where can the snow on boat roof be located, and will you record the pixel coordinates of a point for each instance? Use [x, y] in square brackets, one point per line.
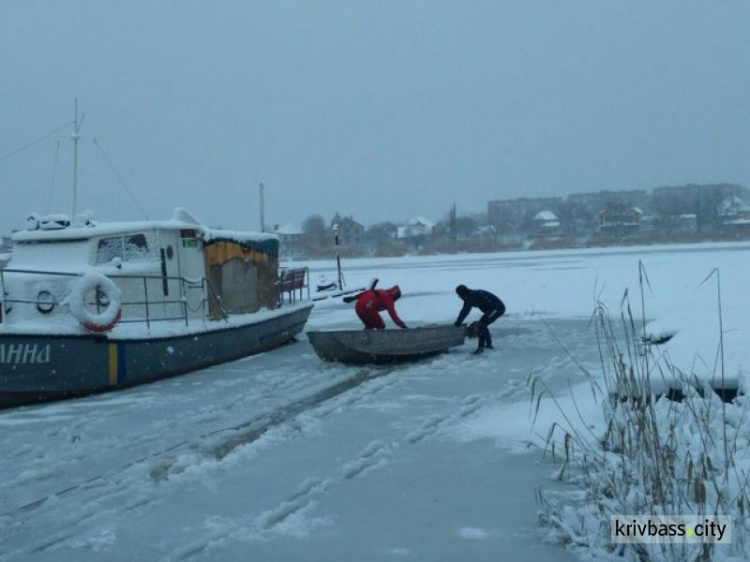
[266, 243]
[101, 229]
[182, 220]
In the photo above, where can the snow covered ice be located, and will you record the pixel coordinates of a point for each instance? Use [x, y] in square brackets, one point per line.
[283, 457]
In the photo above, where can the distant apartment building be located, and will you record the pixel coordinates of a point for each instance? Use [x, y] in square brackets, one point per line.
[594, 202]
[691, 191]
[680, 208]
[702, 201]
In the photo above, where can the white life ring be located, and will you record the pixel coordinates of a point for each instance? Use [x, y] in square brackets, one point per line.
[102, 285]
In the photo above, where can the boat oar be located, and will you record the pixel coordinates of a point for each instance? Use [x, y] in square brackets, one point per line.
[352, 298]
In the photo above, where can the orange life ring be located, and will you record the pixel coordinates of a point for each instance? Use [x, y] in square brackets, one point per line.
[103, 328]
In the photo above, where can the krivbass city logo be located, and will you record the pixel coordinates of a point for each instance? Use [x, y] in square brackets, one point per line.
[671, 529]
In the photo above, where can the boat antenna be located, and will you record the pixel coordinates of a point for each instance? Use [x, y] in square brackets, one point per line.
[76, 137]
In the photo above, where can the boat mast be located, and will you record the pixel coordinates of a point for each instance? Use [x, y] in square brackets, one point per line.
[75, 138]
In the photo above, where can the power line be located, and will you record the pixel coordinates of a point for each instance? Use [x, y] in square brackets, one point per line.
[32, 143]
[119, 178]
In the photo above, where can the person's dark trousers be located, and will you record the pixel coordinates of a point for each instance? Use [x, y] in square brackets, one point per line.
[485, 340]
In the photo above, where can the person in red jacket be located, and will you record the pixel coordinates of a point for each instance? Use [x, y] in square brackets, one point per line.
[371, 303]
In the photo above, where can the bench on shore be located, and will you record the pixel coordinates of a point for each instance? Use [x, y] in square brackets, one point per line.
[291, 281]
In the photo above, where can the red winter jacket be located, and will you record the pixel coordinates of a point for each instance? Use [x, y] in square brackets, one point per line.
[378, 301]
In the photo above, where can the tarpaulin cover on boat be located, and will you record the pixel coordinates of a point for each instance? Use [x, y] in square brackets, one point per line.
[218, 253]
[243, 276]
[266, 243]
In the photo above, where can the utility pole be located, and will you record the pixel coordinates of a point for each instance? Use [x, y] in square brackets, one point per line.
[262, 208]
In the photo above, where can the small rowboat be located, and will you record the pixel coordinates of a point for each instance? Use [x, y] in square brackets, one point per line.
[385, 346]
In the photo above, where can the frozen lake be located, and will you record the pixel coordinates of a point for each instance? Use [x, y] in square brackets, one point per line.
[282, 457]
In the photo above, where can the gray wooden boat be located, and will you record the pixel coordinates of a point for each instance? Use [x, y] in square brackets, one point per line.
[385, 346]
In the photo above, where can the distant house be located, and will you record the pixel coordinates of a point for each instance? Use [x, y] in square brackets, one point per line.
[290, 240]
[619, 220]
[486, 232]
[512, 215]
[734, 213]
[545, 223]
[416, 226]
[350, 231]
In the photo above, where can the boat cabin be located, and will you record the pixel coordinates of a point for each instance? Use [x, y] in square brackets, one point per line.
[150, 271]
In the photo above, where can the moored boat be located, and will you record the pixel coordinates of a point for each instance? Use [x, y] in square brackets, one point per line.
[89, 307]
[385, 346]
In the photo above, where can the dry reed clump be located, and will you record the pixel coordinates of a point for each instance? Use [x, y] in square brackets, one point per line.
[669, 446]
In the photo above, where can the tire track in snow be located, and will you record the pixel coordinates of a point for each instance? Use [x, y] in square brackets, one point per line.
[114, 489]
[233, 436]
[374, 456]
[253, 429]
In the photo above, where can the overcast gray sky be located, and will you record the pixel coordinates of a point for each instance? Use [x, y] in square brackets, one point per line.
[379, 109]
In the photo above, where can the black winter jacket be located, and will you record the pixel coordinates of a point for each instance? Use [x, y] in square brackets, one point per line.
[483, 300]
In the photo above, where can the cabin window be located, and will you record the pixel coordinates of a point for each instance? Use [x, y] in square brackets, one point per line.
[132, 247]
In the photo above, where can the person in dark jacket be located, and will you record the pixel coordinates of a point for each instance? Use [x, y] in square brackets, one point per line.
[371, 303]
[491, 306]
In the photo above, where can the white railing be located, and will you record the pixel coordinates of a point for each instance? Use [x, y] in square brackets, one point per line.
[139, 303]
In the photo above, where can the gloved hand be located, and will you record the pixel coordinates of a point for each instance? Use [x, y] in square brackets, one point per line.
[472, 330]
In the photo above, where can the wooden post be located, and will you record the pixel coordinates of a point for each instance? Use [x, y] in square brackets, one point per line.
[338, 256]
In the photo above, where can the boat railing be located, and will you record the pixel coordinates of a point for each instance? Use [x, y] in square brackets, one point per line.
[215, 300]
[139, 304]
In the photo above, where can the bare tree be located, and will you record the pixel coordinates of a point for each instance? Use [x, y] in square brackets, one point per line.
[315, 231]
